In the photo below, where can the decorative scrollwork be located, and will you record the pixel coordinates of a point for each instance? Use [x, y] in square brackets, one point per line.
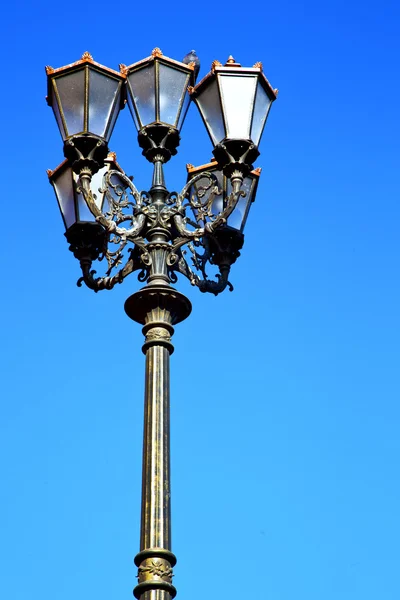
[200, 262]
[142, 213]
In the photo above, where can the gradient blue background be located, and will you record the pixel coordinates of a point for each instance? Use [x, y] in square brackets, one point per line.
[285, 393]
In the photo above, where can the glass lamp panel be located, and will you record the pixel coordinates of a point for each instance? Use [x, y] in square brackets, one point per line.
[57, 114]
[142, 87]
[84, 213]
[71, 91]
[102, 107]
[209, 104]
[115, 110]
[63, 183]
[237, 92]
[183, 113]
[172, 88]
[261, 109]
[237, 219]
[131, 105]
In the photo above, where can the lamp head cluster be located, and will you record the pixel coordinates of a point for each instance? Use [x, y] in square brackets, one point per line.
[86, 97]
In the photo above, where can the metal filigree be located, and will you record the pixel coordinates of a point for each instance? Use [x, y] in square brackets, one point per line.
[146, 231]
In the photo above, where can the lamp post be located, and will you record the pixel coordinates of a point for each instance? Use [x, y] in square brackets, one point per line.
[107, 219]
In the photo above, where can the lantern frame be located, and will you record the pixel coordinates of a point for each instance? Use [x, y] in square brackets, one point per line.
[230, 152]
[159, 137]
[250, 183]
[85, 148]
[82, 233]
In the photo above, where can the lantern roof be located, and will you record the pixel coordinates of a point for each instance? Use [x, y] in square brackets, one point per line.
[111, 158]
[212, 165]
[231, 66]
[87, 59]
[157, 55]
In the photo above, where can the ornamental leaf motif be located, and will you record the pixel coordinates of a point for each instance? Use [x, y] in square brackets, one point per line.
[157, 568]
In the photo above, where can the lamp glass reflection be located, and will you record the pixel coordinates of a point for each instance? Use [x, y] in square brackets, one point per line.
[261, 109]
[237, 92]
[172, 87]
[141, 96]
[71, 93]
[102, 98]
[209, 103]
[72, 204]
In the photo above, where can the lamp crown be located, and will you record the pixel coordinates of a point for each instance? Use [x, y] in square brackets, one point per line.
[231, 62]
[87, 56]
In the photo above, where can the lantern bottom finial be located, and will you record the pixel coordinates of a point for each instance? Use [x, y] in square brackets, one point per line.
[234, 155]
[86, 239]
[85, 150]
[157, 139]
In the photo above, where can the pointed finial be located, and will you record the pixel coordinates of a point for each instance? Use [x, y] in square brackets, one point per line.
[231, 62]
[49, 70]
[276, 91]
[112, 156]
[87, 56]
[257, 171]
[49, 172]
[123, 69]
[189, 166]
[156, 52]
[258, 65]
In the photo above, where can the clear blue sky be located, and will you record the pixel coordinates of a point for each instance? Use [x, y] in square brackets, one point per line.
[285, 393]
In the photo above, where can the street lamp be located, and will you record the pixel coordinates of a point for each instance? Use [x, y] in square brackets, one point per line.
[106, 216]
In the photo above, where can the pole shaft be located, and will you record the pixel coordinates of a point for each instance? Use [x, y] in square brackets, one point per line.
[155, 559]
[156, 496]
[158, 308]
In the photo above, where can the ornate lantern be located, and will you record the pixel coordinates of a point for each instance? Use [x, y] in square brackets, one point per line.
[86, 99]
[80, 223]
[234, 103]
[211, 199]
[237, 219]
[158, 100]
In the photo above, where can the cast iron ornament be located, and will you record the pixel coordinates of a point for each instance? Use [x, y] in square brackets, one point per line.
[156, 229]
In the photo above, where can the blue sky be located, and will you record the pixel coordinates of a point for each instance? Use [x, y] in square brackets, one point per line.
[285, 393]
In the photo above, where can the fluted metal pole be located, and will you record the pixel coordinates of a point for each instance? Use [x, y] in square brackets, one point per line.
[158, 307]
